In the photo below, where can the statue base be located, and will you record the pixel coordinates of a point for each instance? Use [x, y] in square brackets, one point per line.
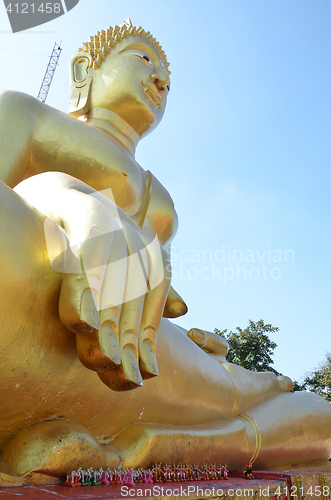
[293, 483]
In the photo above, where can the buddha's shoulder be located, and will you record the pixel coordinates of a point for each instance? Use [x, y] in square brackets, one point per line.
[21, 104]
[12, 97]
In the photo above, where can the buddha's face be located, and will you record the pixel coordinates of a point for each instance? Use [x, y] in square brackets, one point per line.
[134, 83]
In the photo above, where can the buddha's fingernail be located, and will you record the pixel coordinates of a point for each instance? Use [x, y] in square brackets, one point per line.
[148, 359]
[150, 333]
[88, 311]
[108, 343]
[130, 366]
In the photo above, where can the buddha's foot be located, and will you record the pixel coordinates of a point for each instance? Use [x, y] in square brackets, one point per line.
[287, 424]
[285, 383]
[52, 448]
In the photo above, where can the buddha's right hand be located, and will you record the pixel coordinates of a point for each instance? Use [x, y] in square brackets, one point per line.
[116, 304]
[115, 278]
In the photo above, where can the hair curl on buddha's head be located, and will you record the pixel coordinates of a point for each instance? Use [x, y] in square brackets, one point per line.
[100, 45]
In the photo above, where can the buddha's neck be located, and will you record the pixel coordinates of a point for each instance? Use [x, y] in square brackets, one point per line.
[113, 124]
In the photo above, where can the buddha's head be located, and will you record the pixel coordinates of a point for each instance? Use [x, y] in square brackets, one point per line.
[125, 71]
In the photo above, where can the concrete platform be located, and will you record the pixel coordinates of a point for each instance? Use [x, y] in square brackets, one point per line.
[272, 484]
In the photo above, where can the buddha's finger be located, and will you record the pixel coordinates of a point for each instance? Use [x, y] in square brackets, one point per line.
[175, 305]
[209, 341]
[133, 303]
[109, 336]
[112, 297]
[90, 227]
[78, 313]
[159, 283]
[99, 351]
[94, 250]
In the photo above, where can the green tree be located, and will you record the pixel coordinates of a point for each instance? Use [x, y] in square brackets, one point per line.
[319, 380]
[251, 348]
[297, 386]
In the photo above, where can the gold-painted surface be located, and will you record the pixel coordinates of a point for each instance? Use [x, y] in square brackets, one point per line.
[297, 488]
[61, 354]
[54, 447]
[41, 478]
[175, 305]
[257, 433]
[8, 477]
[309, 485]
[325, 484]
[315, 466]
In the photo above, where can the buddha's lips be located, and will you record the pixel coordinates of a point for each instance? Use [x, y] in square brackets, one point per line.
[153, 94]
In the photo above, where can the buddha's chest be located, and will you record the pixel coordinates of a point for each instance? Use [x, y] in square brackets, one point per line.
[97, 160]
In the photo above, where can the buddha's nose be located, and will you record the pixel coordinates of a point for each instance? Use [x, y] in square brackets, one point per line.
[161, 85]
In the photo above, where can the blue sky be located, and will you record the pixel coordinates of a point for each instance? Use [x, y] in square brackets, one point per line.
[244, 149]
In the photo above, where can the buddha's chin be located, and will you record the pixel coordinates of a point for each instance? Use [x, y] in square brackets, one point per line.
[138, 111]
[150, 123]
[144, 119]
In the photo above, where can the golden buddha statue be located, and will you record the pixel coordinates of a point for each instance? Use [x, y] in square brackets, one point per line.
[86, 281]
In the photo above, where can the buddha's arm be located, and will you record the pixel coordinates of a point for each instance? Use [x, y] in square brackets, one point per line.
[35, 138]
[18, 118]
[161, 217]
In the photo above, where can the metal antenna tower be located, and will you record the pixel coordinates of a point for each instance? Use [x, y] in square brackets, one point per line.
[50, 70]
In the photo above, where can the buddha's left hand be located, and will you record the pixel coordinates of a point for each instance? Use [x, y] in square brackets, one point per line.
[214, 345]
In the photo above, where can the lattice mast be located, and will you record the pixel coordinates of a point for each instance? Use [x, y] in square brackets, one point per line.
[50, 70]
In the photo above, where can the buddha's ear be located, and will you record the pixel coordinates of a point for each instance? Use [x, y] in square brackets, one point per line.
[81, 75]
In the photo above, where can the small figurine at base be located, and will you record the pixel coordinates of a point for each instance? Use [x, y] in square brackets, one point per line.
[159, 474]
[105, 477]
[95, 479]
[248, 471]
[73, 477]
[85, 477]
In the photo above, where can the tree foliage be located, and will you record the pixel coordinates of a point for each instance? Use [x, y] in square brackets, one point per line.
[319, 381]
[251, 348]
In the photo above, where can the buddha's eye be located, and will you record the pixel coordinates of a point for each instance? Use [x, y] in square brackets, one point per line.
[141, 54]
[145, 57]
